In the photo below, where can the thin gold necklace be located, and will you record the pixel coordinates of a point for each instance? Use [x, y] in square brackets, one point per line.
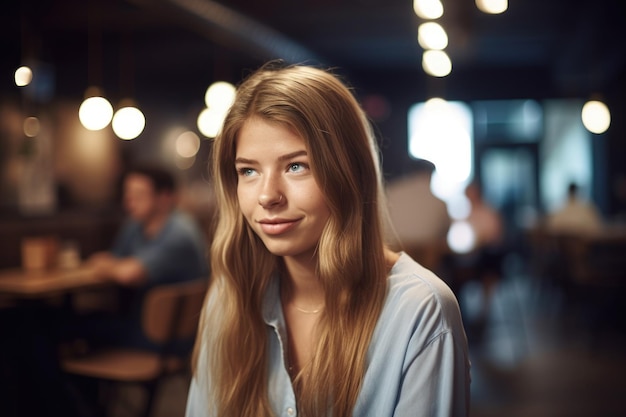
[302, 310]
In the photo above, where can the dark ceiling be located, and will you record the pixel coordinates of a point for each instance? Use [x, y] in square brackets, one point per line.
[177, 47]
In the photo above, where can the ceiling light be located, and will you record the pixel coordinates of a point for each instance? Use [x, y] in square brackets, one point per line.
[492, 6]
[95, 112]
[596, 116]
[436, 63]
[431, 35]
[128, 122]
[428, 9]
[220, 95]
[23, 76]
[210, 121]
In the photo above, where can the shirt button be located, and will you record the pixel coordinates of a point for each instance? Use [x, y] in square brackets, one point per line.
[290, 411]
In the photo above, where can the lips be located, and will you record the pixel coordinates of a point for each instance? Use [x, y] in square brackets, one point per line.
[277, 226]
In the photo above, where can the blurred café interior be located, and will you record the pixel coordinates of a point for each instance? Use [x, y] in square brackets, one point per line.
[522, 98]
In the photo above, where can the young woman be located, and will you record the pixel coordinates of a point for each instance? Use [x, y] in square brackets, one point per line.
[308, 313]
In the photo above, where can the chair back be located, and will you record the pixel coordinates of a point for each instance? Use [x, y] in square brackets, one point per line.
[172, 311]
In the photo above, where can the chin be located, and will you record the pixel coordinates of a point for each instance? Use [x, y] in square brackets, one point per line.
[280, 251]
[283, 249]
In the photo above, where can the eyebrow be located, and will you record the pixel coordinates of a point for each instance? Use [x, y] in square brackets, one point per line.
[280, 158]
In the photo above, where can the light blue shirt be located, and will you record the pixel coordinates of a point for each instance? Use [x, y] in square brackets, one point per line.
[418, 362]
[177, 252]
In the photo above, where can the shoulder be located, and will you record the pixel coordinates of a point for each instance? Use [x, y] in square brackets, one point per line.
[182, 219]
[420, 315]
[419, 301]
[413, 285]
[130, 226]
[182, 225]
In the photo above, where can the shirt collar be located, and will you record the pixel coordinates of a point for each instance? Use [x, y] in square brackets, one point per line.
[272, 309]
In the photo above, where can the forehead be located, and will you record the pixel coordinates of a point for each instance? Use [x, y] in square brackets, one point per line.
[137, 181]
[261, 137]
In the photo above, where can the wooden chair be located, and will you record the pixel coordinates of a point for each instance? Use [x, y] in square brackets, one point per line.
[170, 314]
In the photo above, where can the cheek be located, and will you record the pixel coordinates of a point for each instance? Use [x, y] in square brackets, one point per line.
[325, 213]
[146, 204]
[245, 201]
[317, 204]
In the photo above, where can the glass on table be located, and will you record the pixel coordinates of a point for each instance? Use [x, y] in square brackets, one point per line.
[39, 252]
[69, 255]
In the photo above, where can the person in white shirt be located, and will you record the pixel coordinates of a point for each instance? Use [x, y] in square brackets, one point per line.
[576, 216]
[419, 218]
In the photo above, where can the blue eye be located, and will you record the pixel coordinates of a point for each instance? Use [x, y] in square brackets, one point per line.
[246, 172]
[296, 167]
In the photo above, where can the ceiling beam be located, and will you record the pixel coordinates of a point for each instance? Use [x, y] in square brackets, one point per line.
[227, 26]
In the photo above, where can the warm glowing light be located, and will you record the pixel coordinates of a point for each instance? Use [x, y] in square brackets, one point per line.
[220, 95]
[596, 116]
[185, 163]
[436, 63]
[431, 35]
[128, 123]
[445, 127]
[436, 127]
[23, 76]
[210, 121]
[492, 6]
[95, 113]
[428, 9]
[31, 127]
[187, 144]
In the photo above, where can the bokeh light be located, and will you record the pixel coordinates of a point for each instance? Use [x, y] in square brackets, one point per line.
[23, 76]
[95, 113]
[128, 122]
[210, 122]
[431, 35]
[31, 126]
[428, 9]
[492, 6]
[436, 63]
[596, 116]
[461, 237]
[220, 95]
[187, 144]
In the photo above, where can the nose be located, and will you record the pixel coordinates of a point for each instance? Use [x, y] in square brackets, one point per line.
[271, 194]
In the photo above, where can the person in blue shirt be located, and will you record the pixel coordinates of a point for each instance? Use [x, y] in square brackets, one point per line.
[157, 244]
[309, 313]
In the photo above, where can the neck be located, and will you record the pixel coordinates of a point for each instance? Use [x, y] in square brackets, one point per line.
[154, 225]
[301, 288]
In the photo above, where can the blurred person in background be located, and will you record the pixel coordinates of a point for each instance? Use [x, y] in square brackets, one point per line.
[575, 216]
[419, 218]
[483, 266]
[486, 221]
[157, 244]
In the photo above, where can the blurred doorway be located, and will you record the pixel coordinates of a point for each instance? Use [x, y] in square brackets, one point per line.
[508, 174]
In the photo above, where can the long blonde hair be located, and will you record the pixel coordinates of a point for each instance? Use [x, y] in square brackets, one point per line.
[231, 349]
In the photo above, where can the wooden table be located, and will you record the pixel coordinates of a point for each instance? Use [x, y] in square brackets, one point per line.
[34, 307]
[18, 283]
